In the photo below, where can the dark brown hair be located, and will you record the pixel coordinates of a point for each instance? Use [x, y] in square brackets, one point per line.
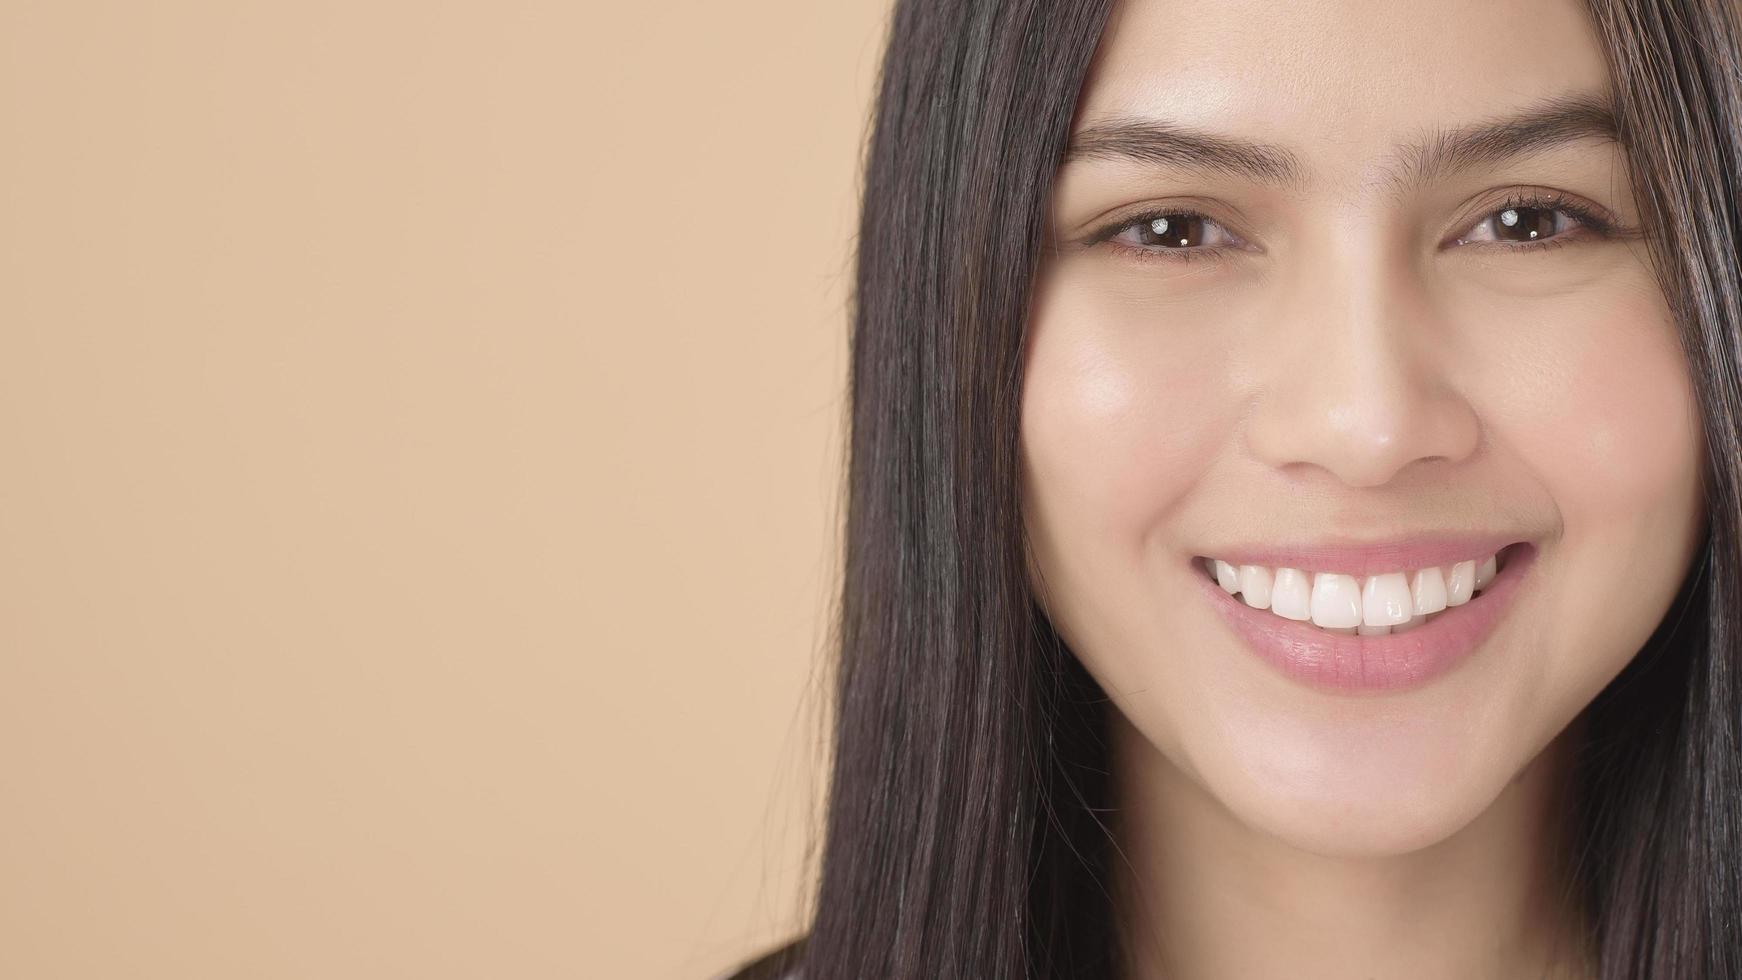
[964, 835]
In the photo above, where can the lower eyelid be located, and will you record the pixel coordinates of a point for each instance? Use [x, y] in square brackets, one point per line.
[1180, 255]
[1545, 245]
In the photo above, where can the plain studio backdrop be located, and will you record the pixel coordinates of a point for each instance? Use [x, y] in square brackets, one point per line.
[419, 448]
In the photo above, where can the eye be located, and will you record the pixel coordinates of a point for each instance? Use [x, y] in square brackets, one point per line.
[1177, 235]
[1532, 221]
[1527, 221]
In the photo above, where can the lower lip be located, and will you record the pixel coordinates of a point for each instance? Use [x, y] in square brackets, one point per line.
[1353, 664]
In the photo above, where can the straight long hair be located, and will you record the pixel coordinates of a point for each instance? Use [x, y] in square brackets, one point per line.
[963, 836]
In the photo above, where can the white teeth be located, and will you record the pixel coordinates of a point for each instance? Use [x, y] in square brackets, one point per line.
[1460, 583]
[1336, 600]
[1391, 602]
[1255, 583]
[1385, 600]
[1486, 571]
[1227, 577]
[1428, 591]
[1291, 594]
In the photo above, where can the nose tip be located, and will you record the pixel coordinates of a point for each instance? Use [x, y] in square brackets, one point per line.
[1367, 440]
[1362, 405]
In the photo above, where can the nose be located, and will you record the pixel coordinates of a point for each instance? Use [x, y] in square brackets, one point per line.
[1357, 383]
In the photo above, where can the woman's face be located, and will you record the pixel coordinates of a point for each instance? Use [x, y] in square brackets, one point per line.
[1385, 346]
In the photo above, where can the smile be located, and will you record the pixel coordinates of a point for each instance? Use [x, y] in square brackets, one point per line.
[1376, 620]
[1373, 605]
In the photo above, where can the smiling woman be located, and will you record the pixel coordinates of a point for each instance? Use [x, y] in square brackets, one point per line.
[1295, 481]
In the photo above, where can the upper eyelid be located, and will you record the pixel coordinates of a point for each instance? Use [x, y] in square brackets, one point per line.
[1591, 216]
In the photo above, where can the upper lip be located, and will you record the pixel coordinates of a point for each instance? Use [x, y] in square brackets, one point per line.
[1349, 556]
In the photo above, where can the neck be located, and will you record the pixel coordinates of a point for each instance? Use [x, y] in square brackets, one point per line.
[1204, 896]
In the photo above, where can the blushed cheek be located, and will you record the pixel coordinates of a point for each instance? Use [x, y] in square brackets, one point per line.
[1621, 446]
[1614, 436]
[1120, 419]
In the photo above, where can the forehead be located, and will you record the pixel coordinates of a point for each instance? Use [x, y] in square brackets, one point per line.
[1342, 81]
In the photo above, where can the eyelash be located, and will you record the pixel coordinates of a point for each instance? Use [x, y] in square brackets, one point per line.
[1588, 220]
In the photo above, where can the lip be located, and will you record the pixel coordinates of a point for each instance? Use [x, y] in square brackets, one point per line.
[1341, 664]
[1375, 558]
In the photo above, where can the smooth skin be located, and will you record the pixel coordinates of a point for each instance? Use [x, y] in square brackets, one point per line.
[1368, 360]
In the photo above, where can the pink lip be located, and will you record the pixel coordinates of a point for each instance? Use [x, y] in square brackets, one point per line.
[1337, 663]
[1418, 551]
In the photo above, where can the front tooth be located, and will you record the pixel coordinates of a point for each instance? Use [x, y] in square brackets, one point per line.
[1366, 630]
[1291, 594]
[1255, 586]
[1385, 600]
[1336, 600]
[1486, 571]
[1227, 577]
[1428, 591]
[1460, 583]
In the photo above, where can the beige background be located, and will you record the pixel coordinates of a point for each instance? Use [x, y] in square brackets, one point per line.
[418, 464]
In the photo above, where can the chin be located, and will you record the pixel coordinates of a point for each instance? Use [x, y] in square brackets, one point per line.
[1379, 783]
[1348, 813]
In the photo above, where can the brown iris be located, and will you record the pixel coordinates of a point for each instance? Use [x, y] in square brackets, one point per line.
[1523, 224]
[1172, 230]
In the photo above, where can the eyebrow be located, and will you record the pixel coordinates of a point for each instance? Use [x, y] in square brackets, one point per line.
[1544, 125]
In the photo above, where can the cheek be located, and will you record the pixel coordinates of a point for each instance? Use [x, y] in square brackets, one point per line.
[1609, 420]
[1117, 427]
[1608, 423]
